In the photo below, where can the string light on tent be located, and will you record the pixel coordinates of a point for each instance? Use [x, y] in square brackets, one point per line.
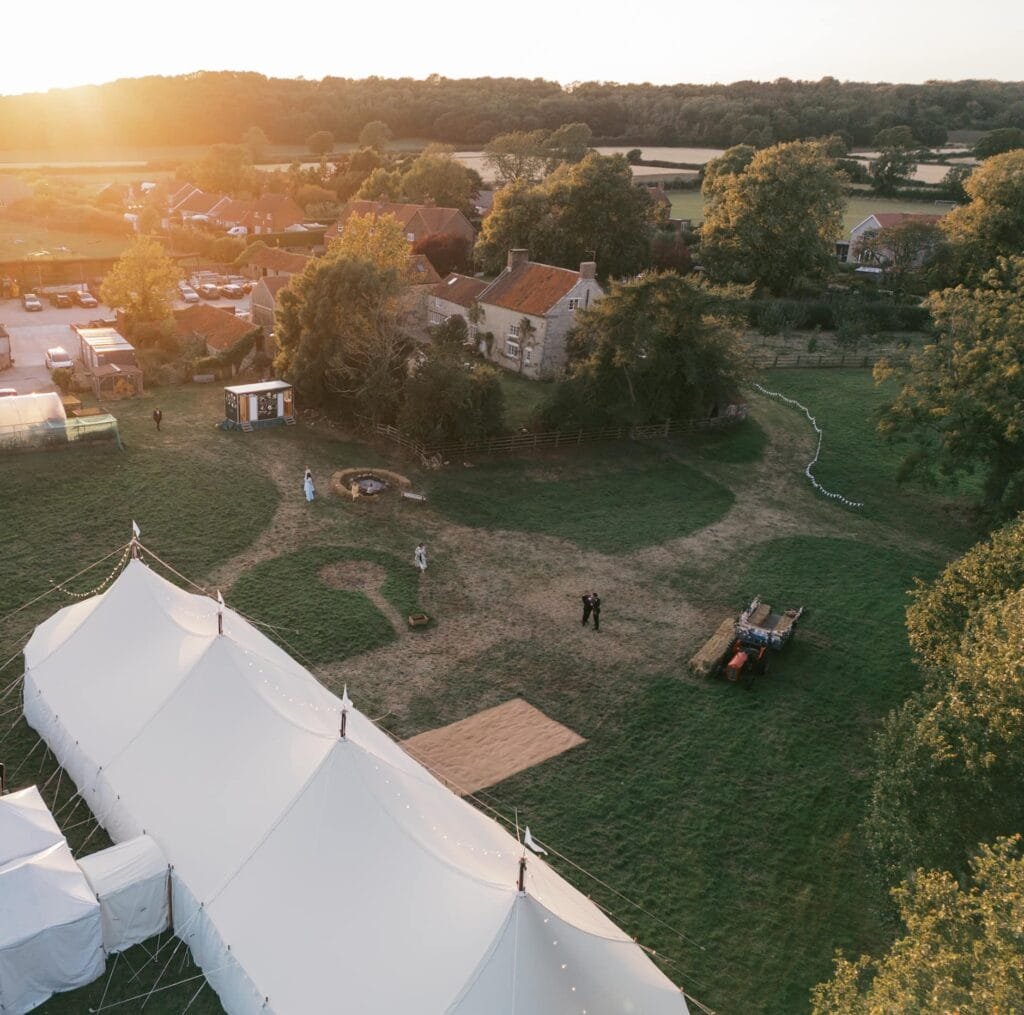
[97, 589]
[809, 468]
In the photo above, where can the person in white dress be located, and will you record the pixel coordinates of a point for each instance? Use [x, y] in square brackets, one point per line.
[307, 485]
[420, 557]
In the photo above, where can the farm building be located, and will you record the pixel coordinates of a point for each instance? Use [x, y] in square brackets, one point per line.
[316, 866]
[109, 361]
[265, 403]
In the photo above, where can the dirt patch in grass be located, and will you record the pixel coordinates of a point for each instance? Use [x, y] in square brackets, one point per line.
[492, 745]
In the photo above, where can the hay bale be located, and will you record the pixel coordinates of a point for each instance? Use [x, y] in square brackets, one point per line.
[759, 615]
[711, 653]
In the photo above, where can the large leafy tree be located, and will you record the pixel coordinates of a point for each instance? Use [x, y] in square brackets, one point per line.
[774, 220]
[517, 156]
[226, 169]
[437, 177]
[995, 142]
[902, 247]
[142, 283]
[991, 224]
[892, 167]
[961, 950]
[662, 346]
[961, 401]
[590, 210]
[340, 323]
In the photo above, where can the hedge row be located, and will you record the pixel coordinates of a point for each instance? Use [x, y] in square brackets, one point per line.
[773, 316]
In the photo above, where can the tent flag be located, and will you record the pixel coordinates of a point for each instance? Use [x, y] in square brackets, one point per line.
[136, 532]
[530, 844]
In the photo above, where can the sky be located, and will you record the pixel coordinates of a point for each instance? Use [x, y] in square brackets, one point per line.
[661, 41]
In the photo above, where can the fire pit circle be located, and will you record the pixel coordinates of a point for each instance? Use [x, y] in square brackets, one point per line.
[357, 484]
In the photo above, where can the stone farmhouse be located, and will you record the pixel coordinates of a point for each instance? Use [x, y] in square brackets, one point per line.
[872, 224]
[526, 312]
[417, 220]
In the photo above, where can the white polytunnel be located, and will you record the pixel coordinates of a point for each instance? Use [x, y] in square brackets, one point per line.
[311, 873]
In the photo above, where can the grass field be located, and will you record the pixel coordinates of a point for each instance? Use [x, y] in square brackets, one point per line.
[731, 814]
[689, 204]
[19, 240]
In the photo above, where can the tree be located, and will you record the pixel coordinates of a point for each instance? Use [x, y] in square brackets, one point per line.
[961, 402]
[436, 177]
[445, 251]
[568, 143]
[774, 221]
[342, 344]
[142, 283]
[449, 400]
[953, 183]
[661, 346]
[450, 336]
[582, 212]
[149, 220]
[378, 239]
[960, 950]
[320, 142]
[995, 142]
[257, 143]
[226, 169]
[895, 137]
[381, 185]
[527, 336]
[890, 169]
[517, 156]
[991, 224]
[900, 248]
[376, 134]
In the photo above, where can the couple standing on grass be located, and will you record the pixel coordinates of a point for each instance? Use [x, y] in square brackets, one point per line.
[592, 605]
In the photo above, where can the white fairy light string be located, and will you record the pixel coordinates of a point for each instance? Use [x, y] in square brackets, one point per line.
[809, 468]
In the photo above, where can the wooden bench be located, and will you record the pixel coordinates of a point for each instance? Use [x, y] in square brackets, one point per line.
[420, 498]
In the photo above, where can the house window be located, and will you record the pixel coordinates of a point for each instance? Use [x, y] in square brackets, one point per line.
[411, 237]
[527, 356]
[513, 331]
[574, 303]
[511, 349]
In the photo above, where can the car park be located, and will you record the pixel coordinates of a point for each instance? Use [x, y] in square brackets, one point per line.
[209, 291]
[84, 298]
[31, 302]
[57, 358]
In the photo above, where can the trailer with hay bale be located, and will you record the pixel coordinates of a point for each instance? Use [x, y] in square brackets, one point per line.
[740, 646]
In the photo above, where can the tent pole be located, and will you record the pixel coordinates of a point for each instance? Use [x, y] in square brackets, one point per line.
[522, 874]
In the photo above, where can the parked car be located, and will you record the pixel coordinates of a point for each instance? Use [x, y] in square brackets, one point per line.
[209, 291]
[232, 291]
[31, 302]
[60, 299]
[57, 358]
[188, 294]
[84, 298]
[8, 392]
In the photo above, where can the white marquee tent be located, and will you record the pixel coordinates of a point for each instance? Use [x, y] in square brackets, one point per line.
[50, 938]
[312, 873]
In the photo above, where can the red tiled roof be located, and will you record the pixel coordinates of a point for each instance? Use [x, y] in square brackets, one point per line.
[274, 259]
[219, 328]
[198, 203]
[530, 288]
[422, 219]
[274, 284]
[460, 289]
[887, 219]
[229, 209]
[421, 271]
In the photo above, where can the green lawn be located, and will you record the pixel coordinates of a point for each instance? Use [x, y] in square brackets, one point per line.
[689, 204]
[614, 500]
[523, 398]
[731, 814]
[19, 239]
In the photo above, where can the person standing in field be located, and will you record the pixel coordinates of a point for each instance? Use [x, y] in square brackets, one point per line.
[307, 485]
[157, 417]
[419, 557]
[588, 607]
[595, 605]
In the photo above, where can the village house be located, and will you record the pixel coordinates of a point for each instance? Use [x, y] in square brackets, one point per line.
[873, 224]
[528, 311]
[263, 301]
[417, 220]
[269, 262]
[218, 329]
[453, 298]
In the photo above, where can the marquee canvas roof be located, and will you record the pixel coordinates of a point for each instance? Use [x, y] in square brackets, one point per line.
[311, 873]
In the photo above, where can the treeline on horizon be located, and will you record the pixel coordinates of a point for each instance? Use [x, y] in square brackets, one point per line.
[211, 107]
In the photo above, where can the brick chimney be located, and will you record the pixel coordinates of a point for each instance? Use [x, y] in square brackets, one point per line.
[517, 256]
[588, 269]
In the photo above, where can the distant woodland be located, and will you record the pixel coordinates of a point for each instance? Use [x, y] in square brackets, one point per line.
[212, 107]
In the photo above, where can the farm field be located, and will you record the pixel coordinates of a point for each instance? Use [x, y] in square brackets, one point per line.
[19, 240]
[730, 814]
[689, 204]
